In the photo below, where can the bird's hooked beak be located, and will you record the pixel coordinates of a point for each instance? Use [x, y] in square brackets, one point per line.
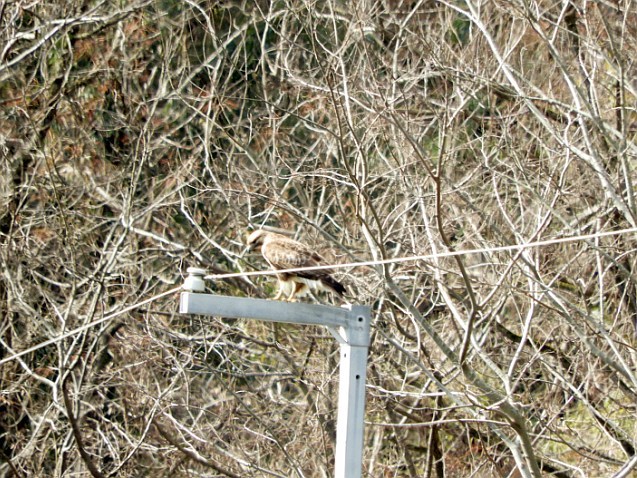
[252, 246]
[254, 241]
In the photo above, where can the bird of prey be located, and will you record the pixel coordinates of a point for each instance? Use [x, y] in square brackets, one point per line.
[281, 252]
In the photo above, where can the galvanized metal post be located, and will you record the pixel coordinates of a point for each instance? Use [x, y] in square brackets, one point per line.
[351, 396]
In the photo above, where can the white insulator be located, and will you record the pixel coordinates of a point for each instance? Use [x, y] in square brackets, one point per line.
[194, 282]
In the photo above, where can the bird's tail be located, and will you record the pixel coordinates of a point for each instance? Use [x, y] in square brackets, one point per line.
[334, 285]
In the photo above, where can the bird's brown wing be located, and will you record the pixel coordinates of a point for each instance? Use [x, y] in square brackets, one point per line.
[284, 253]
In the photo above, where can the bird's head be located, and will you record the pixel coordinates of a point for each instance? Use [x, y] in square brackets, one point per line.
[255, 239]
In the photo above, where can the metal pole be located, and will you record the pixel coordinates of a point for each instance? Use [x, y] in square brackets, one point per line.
[350, 325]
[351, 410]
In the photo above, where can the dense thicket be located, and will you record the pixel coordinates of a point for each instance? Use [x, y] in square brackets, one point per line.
[139, 137]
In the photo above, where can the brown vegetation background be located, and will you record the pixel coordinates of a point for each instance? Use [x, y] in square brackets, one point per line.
[139, 137]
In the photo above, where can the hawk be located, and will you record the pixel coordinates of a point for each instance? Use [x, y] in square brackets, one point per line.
[281, 252]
